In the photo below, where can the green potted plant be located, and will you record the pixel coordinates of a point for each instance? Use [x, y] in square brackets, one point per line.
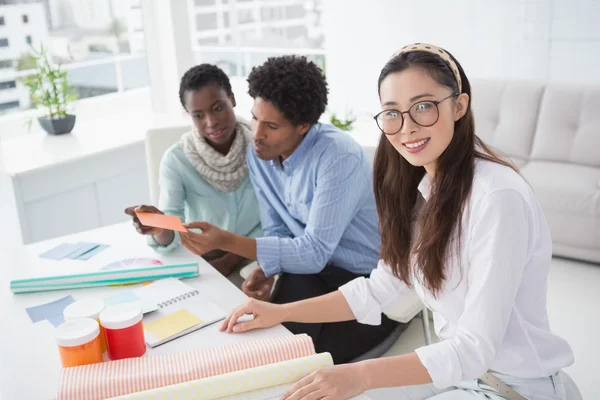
[344, 124]
[48, 87]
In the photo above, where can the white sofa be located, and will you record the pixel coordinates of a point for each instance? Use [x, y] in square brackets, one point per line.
[552, 132]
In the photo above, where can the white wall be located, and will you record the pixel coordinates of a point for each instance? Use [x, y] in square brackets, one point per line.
[555, 40]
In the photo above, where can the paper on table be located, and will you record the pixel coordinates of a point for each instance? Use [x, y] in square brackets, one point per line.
[117, 378]
[129, 296]
[52, 311]
[171, 222]
[244, 381]
[172, 324]
[123, 297]
[82, 249]
[93, 252]
[61, 251]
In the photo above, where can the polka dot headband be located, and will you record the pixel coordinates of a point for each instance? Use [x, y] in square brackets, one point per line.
[429, 48]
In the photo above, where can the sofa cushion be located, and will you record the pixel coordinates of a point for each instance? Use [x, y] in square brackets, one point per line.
[570, 197]
[568, 129]
[505, 115]
[572, 189]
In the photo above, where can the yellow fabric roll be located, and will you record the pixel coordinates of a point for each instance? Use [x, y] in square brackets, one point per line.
[233, 383]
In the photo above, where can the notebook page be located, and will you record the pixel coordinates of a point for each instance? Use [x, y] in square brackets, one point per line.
[162, 290]
[189, 315]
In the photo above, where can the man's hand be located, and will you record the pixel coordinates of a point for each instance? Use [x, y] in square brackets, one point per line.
[211, 238]
[227, 263]
[258, 286]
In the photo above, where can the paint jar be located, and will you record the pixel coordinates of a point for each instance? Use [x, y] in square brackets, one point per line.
[123, 330]
[79, 342]
[89, 308]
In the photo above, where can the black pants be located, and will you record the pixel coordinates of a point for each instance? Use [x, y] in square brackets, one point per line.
[344, 340]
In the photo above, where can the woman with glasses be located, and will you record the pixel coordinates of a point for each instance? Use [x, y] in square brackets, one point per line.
[204, 176]
[461, 227]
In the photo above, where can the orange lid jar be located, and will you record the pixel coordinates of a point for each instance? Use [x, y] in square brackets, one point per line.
[79, 342]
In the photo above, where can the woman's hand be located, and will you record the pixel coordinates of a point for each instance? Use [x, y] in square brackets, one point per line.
[265, 315]
[339, 382]
[143, 229]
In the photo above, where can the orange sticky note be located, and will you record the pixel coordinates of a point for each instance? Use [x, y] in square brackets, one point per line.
[171, 222]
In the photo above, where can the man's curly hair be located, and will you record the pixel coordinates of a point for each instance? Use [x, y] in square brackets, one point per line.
[203, 75]
[294, 85]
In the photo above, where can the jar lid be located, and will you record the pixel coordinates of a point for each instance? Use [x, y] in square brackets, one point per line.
[76, 332]
[89, 308]
[121, 316]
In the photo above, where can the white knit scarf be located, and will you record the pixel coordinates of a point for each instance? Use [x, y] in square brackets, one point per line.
[223, 172]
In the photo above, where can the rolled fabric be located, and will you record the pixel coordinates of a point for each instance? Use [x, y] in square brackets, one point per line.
[121, 377]
[248, 380]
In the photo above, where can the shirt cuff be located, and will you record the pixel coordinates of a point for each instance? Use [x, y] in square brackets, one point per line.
[359, 298]
[268, 255]
[164, 249]
[442, 363]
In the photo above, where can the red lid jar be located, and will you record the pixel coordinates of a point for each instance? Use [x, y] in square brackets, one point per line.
[123, 330]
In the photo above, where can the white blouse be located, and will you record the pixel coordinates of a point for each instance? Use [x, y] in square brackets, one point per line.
[491, 313]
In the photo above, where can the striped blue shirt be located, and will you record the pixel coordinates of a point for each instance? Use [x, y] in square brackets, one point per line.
[317, 207]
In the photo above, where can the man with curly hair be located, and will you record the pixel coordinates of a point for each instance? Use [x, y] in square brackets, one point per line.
[317, 207]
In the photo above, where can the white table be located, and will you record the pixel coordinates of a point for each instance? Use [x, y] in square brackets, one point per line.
[29, 360]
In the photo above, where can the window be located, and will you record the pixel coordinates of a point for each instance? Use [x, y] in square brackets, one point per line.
[206, 22]
[8, 85]
[1, 20]
[208, 41]
[295, 11]
[9, 105]
[245, 16]
[90, 74]
[270, 13]
[205, 3]
[225, 20]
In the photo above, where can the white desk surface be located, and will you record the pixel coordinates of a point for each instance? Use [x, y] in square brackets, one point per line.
[29, 360]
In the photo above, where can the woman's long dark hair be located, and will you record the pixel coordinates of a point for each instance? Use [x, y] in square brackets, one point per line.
[439, 220]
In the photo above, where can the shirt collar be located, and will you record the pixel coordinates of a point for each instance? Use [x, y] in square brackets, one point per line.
[425, 186]
[298, 155]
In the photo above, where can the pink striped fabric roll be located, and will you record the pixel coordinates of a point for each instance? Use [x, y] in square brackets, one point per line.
[116, 378]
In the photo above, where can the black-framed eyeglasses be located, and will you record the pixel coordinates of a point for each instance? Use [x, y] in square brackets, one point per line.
[424, 113]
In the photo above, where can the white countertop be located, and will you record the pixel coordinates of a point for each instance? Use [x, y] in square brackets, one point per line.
[38, 150]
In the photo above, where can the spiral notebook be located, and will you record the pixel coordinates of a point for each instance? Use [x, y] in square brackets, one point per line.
[181, 310]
